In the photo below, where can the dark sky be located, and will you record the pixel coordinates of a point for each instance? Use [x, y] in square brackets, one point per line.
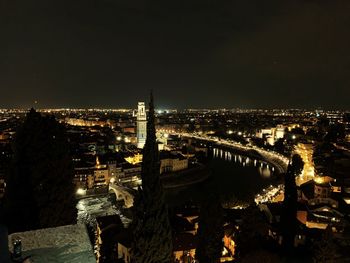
[208, 53]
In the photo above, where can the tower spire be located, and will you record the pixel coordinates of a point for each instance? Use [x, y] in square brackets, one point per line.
[152, 237]
[141, 125]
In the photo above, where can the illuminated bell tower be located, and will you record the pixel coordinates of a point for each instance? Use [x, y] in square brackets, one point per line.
[141, 125]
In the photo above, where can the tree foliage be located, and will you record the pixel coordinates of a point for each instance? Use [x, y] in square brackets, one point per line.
[325, 249]
[335, 132]
[288, 219]
[152, 237]
[110, 242]
[252, 232]
[210, 231]
[40, 190]
[261, 255]
[279, 146]
[298, 131]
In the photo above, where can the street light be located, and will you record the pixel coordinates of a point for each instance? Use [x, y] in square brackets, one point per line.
[81, 191]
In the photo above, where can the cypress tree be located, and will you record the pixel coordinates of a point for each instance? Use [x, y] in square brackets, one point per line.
[290, 203]
[210, 231]
[252, 233]
[326, 249]
[152, 238]
[40, 190]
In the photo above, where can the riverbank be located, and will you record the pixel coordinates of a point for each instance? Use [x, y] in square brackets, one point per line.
[278, 161]
[230, 178]
[186, 177]
[262, 155]
[278, 165]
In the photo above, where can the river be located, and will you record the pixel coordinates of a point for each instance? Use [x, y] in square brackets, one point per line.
[232, 175]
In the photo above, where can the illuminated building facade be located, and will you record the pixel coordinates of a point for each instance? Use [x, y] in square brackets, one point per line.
[305, 150]
[94, 176]
[170, 163]
[141, 125]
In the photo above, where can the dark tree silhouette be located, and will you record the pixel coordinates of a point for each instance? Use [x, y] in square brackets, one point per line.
[335, 132]
[279, 146]
[252, 232]
[210, 231]
[108, 136]
[261, 255]
[288, 218]
[322, 126]
[313, 133]
[298, 131]
[40, 190]
[191, 127]
[110, 242]
[152, 237]
[325, 249]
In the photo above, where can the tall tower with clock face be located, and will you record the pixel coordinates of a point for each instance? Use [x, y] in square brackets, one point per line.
[141, 120]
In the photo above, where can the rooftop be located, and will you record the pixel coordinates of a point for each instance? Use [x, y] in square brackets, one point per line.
[64, 244]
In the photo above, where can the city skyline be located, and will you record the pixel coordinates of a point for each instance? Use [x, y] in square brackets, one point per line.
[183, 131]
[287, 164]
[160, 110]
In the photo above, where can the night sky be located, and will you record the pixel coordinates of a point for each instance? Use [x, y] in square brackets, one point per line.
[193, 54]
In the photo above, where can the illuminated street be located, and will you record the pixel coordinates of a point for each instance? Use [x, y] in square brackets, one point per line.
[306, 153]
[281, 162]
[182, 131]
[271, 194]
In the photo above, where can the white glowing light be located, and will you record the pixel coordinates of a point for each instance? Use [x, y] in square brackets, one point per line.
[81, 191]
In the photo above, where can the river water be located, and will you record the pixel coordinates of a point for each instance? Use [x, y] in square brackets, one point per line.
[232, 175]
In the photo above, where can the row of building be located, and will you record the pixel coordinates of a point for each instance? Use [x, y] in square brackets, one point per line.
[120, 168]
[184, 224]
[323, 189]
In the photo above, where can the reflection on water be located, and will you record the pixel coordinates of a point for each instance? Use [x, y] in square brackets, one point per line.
[265, 170]
[232, 175]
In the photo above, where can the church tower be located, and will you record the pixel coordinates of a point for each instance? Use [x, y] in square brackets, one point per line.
[141, 125]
